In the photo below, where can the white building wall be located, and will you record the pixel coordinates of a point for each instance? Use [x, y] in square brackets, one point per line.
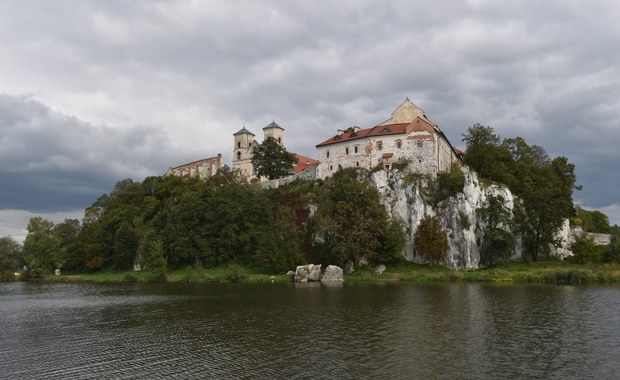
[419, 148]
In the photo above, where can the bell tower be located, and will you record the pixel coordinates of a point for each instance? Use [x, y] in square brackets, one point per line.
[243, 151]
[274, 131]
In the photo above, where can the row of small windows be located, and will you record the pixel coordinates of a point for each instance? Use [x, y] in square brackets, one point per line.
[379, 145]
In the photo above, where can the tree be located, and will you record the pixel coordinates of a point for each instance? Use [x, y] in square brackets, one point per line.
[584, 250]
[272, 160]
[42, 247]
[430, 240]
[498, 240]
[350, 222]
[11, 258]
[153, 254]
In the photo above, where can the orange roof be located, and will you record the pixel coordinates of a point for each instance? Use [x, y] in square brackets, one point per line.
[379, 130]
[302, 163]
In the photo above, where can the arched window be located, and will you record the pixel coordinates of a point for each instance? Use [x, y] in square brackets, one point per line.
[238, 155]
[238, 145]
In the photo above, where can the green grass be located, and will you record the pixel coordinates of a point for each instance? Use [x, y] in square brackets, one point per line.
[549, 272]
[188, 274]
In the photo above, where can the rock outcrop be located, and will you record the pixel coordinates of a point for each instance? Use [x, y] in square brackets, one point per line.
[408, 201]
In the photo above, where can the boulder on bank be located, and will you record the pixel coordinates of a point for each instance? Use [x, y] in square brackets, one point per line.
[310, 272]
[314, 272]
[380, 269]
[301, 273]
[290, 273]
[349, 267]
[332, 273]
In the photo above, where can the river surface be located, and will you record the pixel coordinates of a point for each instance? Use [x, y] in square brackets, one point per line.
[288, 331]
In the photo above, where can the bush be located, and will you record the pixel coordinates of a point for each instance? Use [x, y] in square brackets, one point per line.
[235, 273]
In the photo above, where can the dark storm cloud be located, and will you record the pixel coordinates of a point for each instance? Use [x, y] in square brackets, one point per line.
[197, 71]
[50, 161]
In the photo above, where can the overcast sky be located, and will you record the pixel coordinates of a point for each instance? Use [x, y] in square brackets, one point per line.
[92, 92]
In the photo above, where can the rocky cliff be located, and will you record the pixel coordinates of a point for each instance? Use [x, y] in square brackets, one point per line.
[408, 199]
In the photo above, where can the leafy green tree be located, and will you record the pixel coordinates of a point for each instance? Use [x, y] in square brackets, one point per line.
[584, 250]
[125, 246]
[278, 243]
[272, 160]
[153, 254]
[612, 253]
[430, 240]
[393, 242]
[486, 155]
[498, 240]
[11, 258]
[350, 222]
[42, 247]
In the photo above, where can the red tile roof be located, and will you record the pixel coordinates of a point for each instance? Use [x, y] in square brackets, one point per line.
[302, 163]
[379, 130]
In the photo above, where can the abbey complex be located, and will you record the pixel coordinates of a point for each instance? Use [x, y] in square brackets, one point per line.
[407, 136]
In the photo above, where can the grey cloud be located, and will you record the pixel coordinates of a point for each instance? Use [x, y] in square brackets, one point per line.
[197, 71]
[50, 161]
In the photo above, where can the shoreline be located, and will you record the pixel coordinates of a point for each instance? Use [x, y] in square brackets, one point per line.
[547, 272]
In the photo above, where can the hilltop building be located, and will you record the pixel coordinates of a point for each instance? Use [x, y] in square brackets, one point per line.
[407, 136]
[204, 168]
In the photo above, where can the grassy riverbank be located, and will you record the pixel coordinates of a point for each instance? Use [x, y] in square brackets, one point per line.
[548, 272]
[189, 274]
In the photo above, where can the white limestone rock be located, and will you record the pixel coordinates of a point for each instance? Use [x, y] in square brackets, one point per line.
[314, 272]
[332, 273]
[301, 273]
[349, 267]
[380, 269]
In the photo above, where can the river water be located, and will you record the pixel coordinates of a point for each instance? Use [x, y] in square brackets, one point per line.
[288, 331]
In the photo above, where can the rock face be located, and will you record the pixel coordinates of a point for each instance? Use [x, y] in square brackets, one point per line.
[380, 269]
[405, 201]
[332, 273]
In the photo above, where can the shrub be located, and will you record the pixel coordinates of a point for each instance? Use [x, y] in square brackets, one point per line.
[235, 273]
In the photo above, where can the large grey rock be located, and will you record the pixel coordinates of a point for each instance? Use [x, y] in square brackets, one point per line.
[290, 273]
[314, 272]
[349, 267]
[332, 273]
[380, 269]
[363, 262]
[301, 273]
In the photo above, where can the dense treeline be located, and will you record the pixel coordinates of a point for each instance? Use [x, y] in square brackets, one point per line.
[172, 222]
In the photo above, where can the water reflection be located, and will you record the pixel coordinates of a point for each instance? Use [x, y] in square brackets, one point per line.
[452, 331]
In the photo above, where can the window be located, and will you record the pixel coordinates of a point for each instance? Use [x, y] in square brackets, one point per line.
[238, 155]
[357, 163]
[331, 168]
[238, 145]
[399, 144]
[379, 145]
[327, 155]
[346, 150]
[355, 149]
[420, 144]
[280, 140]
[339, 166]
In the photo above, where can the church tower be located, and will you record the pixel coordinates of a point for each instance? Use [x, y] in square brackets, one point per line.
[274, 131]
[243, 151]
